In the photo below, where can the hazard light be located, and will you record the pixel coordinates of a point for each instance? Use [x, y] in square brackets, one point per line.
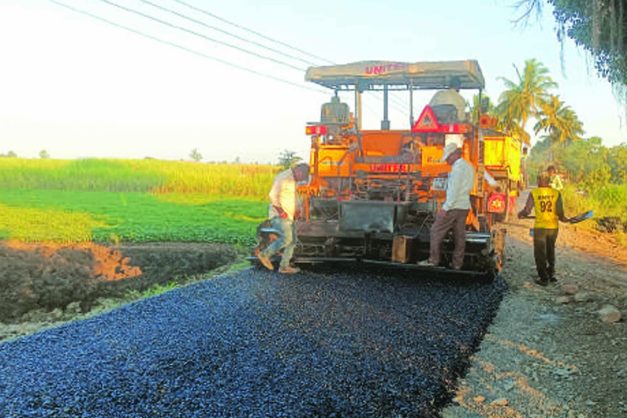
[316, 130]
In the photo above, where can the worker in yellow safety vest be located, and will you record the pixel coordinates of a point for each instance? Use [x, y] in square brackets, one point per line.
[554, 179]
[548, 207]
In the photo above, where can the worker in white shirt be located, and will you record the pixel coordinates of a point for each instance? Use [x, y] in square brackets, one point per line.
[282, 211]
[490, 180]
[455, 209]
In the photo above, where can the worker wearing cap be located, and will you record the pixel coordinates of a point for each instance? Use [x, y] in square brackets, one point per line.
[554, 179]
[547, 204]
[282, 211]
[454, 211]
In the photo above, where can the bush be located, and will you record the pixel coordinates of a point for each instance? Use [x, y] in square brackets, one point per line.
[606, 202]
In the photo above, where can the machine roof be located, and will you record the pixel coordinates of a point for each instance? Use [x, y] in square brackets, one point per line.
[373, 75]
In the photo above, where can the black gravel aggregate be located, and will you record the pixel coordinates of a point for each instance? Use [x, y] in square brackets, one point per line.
[321, 343]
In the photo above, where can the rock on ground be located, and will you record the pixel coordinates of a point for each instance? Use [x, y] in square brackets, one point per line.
[609, 314]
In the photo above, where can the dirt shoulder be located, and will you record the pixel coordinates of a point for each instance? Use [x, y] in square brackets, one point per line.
[47, 284]
[548, 354]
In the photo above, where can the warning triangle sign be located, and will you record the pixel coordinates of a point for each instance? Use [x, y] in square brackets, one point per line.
[427, 122]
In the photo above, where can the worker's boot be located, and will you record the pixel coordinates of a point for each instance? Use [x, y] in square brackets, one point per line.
[289, 270]
[427, 263]
[263, 259]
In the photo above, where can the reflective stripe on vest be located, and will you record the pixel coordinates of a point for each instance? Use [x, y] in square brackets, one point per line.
[545, 205]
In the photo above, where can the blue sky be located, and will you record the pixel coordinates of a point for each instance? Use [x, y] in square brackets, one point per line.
[79, 87]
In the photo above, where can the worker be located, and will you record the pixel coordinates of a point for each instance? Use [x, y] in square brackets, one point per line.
[554, 179]
[496, 199]
[492, 183]
[513, 198]
[448, 105]
[282, 211]
[454, 211]
[548, 207]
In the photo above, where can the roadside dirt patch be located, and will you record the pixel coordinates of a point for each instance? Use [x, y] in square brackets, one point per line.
[548, 353]
[52, 276]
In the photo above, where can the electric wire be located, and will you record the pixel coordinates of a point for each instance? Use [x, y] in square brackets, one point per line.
[184, 16]
[213, 15]
[189, 50]
[172, 25]
[394, 101]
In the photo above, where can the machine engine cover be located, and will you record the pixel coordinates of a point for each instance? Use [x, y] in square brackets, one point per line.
[375, 216]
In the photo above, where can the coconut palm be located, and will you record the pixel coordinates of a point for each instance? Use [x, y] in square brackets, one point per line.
[558, 121]
[521, 100]
[477, 108]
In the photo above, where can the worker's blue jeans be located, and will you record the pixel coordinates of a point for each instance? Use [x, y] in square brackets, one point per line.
[285, 242]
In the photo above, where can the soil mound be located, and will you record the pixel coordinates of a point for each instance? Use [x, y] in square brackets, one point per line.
[51, 276]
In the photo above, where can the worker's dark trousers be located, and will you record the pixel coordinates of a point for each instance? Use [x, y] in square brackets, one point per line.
[544, 252]
[454, 219]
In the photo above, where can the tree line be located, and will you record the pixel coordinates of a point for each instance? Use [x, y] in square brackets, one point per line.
[532, 97]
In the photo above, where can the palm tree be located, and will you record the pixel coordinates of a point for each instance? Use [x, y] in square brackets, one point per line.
[522, 99]
[559, 122]
[477, 108]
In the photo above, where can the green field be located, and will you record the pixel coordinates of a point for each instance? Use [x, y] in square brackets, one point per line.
[131, 201]
[157, 176]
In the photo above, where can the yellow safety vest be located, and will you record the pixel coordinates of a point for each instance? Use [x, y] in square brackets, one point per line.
[545, 205]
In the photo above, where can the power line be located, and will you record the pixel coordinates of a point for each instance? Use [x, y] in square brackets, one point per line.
[397, 107]
[174, 12]
[394, 101]
[175, 45]
[391, 103]
[400, 102]
[252, 31]
[163, 22]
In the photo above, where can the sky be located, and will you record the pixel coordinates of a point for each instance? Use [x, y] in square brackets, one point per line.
[80, 87]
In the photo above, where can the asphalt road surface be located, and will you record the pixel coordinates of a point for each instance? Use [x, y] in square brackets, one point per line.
[343, 342]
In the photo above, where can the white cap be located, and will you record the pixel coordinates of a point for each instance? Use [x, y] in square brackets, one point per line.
[448, 150]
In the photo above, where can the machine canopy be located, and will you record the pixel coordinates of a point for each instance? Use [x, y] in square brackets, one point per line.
[374, 75]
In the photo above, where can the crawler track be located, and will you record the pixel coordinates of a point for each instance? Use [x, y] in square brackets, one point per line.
[254, 343]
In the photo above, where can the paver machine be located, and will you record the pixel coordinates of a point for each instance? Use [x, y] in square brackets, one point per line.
[373, 194]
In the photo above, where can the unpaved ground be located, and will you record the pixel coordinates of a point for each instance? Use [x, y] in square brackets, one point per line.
[540, 358]
[545, 358]
[46, 284]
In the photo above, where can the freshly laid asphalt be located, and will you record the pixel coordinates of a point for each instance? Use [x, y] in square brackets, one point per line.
[343, 342]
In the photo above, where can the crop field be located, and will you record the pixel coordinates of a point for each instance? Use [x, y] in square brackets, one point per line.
[77, 231]
[114, 201]
[157, 176]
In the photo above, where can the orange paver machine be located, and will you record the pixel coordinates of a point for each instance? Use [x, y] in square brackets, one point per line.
[373, 194]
